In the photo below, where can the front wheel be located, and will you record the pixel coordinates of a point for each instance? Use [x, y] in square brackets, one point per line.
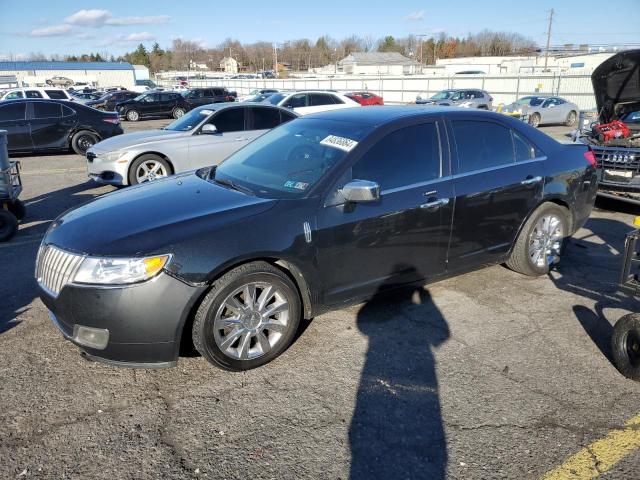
[147, 168]
[132, 116]
[571, 119]
[541, 240]
[625, 344]
[534, 120]
[249, 317]
[178, 112]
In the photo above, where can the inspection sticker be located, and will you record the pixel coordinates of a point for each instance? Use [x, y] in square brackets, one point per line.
[345, 144]
[296, 185]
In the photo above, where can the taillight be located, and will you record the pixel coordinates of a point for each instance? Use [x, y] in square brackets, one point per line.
[112, 120]
[590, 157]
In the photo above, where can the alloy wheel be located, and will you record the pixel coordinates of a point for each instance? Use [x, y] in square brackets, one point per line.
[149, 171]
[251, 321]
[132, 115]
[545, 240]
[85, 142]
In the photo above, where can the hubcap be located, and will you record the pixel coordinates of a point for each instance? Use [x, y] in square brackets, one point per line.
[179, 113]
[149, 171]
[85, 142]
[545, 241]
[251, 321]
[133, 115]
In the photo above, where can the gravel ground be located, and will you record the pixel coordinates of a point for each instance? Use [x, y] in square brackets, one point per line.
[487, 375]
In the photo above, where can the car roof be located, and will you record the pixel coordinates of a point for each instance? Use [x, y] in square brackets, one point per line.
[380, 115]
[223, 106]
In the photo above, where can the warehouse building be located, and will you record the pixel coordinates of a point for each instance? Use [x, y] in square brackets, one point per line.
[378, 63]
[95, 74]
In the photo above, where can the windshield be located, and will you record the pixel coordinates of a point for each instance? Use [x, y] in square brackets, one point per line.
[274, 99]
[443, 95]
[290, 159]
[190, 120]
[531, 101]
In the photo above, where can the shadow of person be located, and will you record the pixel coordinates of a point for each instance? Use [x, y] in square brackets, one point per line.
[396, 430]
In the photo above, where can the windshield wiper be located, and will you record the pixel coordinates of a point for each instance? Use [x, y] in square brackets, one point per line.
[234, 186]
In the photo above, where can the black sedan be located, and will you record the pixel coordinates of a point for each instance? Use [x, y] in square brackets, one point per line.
[38, 124]
[320, 212]
[109, 100]
[153, 104]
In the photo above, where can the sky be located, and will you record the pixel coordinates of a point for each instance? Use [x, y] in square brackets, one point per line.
[115, 27]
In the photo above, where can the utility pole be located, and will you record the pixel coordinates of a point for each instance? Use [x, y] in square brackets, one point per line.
[420, 37]
[275, 59]
[546, 52]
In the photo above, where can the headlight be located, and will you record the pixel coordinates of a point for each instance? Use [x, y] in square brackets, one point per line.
[119, 271]
[112, 156]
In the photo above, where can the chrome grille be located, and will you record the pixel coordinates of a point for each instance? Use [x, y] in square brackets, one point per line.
[618, 159]
[55, 268]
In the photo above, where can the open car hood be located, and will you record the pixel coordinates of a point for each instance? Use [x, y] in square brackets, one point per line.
[616, 82]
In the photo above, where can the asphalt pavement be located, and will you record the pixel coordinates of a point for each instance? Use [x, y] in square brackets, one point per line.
[487, 375]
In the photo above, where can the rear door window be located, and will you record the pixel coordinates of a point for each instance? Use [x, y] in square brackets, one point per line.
[523, 149]
[317, 99]
[56, 94]
[407, 156]
[297, 101]
[33, 94]
[12, 112]
[286, 116]
[47, 110]
[265, 118]
[482, 145]
[229, 120]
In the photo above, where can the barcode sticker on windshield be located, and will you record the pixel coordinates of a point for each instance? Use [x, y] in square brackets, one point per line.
[341, 143]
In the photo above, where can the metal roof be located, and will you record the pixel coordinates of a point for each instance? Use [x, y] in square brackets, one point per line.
[19, 66]
[377, 58]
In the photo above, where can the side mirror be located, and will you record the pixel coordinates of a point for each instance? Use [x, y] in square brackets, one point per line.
[360, 191]
[208, 128]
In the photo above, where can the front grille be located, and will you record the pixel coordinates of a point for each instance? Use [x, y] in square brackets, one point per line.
[55, 268]
[618, 159]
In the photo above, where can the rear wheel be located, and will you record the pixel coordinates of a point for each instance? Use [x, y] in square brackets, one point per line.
[249, 317]
[132, 116]
[83, 141]
[539, 244]
[534, 120]
[147, 168]
[571, 119]
[625, 343]
[8, 225]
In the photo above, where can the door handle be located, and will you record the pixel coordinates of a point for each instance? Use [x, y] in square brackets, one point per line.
[435, 204]
[531, 180]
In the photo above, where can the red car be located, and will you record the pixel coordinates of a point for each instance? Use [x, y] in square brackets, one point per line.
[365, 98]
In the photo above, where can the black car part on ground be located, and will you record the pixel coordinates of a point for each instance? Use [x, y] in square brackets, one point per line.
[320, 200]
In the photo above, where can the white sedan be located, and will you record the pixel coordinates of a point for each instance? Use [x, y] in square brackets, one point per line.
[311, 101]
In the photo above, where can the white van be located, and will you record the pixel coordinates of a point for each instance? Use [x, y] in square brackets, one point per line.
[36, 92]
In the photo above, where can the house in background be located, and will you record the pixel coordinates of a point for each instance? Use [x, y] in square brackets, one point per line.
[378, 63]
[229, 65]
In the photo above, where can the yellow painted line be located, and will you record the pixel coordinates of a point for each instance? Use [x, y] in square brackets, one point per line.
[599, 456]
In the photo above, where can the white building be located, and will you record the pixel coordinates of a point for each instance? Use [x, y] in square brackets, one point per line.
[378, 63]
[97, 74]
[229, 65]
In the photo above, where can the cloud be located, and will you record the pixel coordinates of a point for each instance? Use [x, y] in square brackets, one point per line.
[150, 20]
[415, 16]
[53, 31]
[88, 18]
[127, 39]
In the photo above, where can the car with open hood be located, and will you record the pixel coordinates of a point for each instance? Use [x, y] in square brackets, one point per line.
[323, 211]
[616, 85]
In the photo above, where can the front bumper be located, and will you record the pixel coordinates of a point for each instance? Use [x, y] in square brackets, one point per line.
[144, 321]
[109, 172]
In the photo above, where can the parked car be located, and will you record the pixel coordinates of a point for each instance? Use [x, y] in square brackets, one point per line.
[144, 85]
[255, 92]
[62, 82]
[84, 97]
[36, 92]
[314, 215]
[469, 98]
[35, 125]
[260, 98]
[153, 104]
[197, 97]
[204, 136]
[311, 101]
[109, 100]
[617, 94]
[543, 110]
[365, 98]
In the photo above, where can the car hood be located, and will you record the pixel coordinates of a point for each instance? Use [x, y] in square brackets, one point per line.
[153, 218]
[616, 81]
[133, 139]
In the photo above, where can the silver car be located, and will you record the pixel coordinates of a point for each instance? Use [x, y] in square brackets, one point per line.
[543, 109]
[204, 136]
[459, 97]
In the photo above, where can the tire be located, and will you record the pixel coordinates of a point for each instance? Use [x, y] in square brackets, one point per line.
[132, 115]
[8, 225]
[83, 141]
[177, 112]
[17, 208]
[534, 120]
[533, 238]
[571, 119]
[155, 166]
[483, 107]
[625, 345]
[251, 330]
